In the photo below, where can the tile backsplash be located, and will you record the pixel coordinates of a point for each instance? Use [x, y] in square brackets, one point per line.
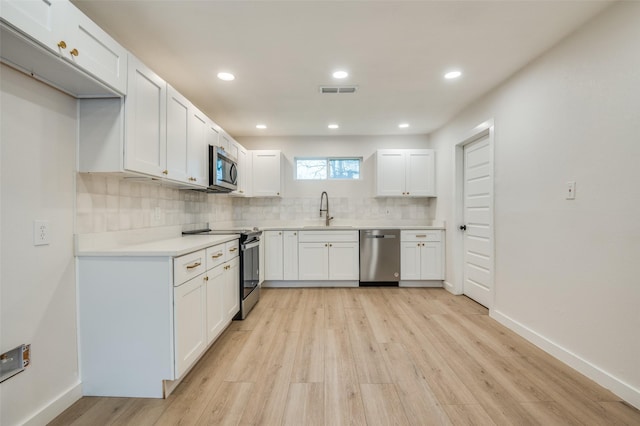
[109, 203]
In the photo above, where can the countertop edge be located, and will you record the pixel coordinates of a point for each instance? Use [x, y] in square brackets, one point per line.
[172, 247]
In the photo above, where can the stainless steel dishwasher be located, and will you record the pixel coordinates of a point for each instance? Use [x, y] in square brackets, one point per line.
[379, 256]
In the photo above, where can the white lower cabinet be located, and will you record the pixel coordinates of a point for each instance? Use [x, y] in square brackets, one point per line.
[231, 289]
[190, 322]
[145, 320]
[281, 255]
[328, 255]
[215, 305]
[422, 255]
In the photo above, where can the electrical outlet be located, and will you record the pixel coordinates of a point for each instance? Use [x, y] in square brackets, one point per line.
[40, 232]
[571, 190]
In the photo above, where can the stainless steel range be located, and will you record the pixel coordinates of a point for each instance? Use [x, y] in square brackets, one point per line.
[249, 264]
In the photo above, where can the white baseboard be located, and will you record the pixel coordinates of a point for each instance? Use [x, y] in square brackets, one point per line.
[52, 409]
[307, 284]
[595, 373]
[450, 288]
[422, 283]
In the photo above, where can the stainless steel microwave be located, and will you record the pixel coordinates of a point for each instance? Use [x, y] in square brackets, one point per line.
[223, 170]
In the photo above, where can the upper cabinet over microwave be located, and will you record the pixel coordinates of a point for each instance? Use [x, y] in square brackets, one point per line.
[59, 45]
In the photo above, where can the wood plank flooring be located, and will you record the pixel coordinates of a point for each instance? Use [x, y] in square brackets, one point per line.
[368, 356]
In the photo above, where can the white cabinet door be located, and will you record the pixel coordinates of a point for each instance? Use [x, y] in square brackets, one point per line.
[231, 291]
[420, 176]
[405, 173]
[390, 172]
[92, 49]
[266, 173]
[431, 261]
[244, 172]
[190, 322]
[35, 18]
[215, 302]
[177, 134]
[313, 261]
[273, 255]
[145, 123]
[290, 255]
[344, 261]
[410, 261]
[197, 151]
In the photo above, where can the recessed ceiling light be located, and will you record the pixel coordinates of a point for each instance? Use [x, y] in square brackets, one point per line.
[452, 74]
[340, 74]
[403, 125]
[261, 126]
[333, 126]
[226, 76]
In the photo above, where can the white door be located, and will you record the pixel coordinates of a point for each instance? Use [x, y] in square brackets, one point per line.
[190, 322]
[313, 261]
[290, 255]
[177, 134]
[145, 121]
[232, 288]
[266, 173]
[216, 314]
[420, 164]
[478, 213]
[273, 251]
[197, 150]
[343, 261]
[390, 172]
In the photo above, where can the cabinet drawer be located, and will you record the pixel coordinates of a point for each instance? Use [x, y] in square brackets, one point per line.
[216, 255]
[327, 236]
[188, 266]
[232, 249]
[420, 235]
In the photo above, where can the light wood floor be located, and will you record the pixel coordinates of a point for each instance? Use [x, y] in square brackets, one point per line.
[369, 356]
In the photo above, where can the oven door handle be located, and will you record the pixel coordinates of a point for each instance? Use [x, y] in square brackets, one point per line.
[250, 245]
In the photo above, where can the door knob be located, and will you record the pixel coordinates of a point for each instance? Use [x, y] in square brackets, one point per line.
[463, 227]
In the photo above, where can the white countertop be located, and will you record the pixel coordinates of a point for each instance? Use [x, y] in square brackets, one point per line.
[167, 247]
[346, 228]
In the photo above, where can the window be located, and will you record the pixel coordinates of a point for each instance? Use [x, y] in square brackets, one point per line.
[327, 168]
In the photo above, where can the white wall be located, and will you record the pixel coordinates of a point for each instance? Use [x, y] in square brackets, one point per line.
[566, 270]
[349, 200]
[38, 290]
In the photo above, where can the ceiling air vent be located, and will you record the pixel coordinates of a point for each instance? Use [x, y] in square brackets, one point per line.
[338, 89]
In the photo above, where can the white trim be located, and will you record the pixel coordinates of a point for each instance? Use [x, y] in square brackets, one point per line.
[306, 284]
[421, 283]
[450, 288]
[484, 129]
[56, 406]
[624, 390]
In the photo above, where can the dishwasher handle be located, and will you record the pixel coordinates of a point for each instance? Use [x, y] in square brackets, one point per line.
[380, 236]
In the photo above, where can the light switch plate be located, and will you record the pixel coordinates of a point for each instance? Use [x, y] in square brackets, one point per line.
[571, 190]
[40, 232]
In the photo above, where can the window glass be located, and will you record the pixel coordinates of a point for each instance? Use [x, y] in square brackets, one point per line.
[327, 168]
[344, 168]
[311, 168]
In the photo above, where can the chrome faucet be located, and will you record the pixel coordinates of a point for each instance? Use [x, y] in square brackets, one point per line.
[328, 218]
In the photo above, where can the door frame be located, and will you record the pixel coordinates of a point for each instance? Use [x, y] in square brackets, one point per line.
[484, 129]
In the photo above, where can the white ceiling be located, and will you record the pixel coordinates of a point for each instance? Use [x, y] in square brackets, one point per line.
[281, 51]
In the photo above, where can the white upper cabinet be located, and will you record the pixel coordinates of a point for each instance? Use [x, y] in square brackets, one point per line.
[178, 117]
[197, 148]
[244, 172]
[94, 50]
[66, 32]
[146, 114]
[266, 180]
[36, 19]
[405, 172]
